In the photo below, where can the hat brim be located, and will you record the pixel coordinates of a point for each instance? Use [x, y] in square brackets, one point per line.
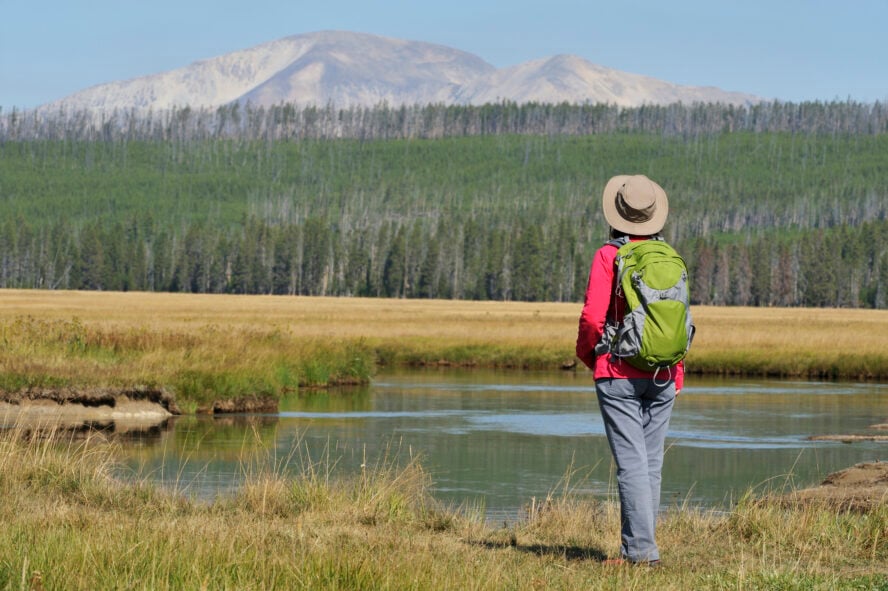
[621, 224]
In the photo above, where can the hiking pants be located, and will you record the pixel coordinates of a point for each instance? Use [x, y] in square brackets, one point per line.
[636, 417]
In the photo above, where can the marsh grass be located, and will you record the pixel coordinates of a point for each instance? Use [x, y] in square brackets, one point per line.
[205, 347]
[304, 481]
[70, 524]
[820, 343]
[200, 363]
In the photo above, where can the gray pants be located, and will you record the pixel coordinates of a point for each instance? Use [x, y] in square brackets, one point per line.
[636, 417]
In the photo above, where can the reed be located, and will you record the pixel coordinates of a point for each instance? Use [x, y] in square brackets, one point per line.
[69, 523]
[204, 347]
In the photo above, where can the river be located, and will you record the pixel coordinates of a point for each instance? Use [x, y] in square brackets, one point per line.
[497, 440]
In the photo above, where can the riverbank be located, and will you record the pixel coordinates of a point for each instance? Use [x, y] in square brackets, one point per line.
[218, 352]
[863, 488]
[69, 522]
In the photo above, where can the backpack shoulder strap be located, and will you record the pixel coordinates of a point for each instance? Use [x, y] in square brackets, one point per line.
[618, 242]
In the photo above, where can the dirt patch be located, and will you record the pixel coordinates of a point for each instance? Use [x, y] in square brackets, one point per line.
[858, 488]
[115, 404]
[118, 411]
[102, 399]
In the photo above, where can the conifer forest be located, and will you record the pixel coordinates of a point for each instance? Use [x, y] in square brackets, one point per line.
[775, 204]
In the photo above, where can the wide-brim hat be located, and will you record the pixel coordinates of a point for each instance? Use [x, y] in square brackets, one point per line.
[635, 205]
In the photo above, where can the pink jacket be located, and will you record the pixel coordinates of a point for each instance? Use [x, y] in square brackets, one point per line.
[599, 294]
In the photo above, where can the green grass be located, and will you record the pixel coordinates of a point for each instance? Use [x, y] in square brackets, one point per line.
[199, 366]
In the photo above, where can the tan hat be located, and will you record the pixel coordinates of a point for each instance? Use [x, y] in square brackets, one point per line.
[635, 205]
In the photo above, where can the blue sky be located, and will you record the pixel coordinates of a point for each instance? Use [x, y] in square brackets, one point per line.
[792, 50]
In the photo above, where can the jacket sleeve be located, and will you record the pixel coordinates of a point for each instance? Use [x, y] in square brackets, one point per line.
[595, 306]
[679, 375]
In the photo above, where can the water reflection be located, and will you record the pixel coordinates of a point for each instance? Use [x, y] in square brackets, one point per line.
[499, 439]
[81, 424]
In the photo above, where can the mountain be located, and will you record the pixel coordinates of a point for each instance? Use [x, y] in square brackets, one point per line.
[575, 80]
[358, 69]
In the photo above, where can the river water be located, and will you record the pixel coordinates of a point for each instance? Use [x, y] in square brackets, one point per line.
[497, 440]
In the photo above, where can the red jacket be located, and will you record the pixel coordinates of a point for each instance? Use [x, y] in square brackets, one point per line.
[599, 294]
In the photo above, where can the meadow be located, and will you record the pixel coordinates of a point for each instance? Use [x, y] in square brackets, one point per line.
[70, 523]
[206, 347]
[75, 519]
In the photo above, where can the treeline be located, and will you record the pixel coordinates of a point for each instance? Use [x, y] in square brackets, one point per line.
[524, 260]
[768, 218]
[420, 258]
[842, 267]
[290, 122]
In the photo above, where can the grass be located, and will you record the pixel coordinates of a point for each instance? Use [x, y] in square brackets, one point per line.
[68, 523]
[207, 347]
[791, 342]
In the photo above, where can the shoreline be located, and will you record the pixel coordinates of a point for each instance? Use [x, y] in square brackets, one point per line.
[142, 404]
[214, 353]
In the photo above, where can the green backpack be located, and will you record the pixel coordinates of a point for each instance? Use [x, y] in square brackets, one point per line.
[656, 330]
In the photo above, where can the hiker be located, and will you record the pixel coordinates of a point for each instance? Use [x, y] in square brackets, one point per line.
[635, 403]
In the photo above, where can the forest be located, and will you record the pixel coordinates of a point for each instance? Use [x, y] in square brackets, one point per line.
[776, 204]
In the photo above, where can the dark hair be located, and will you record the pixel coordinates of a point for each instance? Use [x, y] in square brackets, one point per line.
[614, 234]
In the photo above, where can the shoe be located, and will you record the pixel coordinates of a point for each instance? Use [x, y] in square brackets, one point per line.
[614, 562]
[622, 561]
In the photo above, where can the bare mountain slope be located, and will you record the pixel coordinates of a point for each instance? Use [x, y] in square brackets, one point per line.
[350, 69]
[575, 80]
[358, 69]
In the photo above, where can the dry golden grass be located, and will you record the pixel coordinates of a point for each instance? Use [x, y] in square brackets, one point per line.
[801, 329]
[792, 329]
[269, 344]
[309, 317]
[817, 342]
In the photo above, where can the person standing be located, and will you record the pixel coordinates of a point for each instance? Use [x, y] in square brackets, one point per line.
[636, 405]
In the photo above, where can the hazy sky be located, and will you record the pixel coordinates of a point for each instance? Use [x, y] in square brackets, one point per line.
[792, 50]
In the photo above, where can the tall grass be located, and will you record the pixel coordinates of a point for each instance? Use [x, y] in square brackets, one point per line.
[69, 524]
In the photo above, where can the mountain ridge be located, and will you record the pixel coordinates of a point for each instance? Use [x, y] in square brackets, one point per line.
[360, 69]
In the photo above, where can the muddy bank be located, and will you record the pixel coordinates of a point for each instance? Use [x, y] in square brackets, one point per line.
[121, 410]
[848, 438]
[852, 437]
[858, 488]
[116, 409]
[242, 405]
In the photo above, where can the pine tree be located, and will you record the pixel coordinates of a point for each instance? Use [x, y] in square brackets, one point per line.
[530, 283]
[90, 265]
